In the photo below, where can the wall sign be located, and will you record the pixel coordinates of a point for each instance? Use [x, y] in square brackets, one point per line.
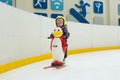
[98, 20]
[42, 14]
[119, 9]
[55, 15]
[40, 4]
[98, 7]
[80, 16]
[119, 22]
[9, 2]
[57, 4]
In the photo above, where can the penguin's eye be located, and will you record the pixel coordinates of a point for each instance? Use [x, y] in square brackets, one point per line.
[58, 30]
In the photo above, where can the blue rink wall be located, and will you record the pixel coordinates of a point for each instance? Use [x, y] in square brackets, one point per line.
[24, 35]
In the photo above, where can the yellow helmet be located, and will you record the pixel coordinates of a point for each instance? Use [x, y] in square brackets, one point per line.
[64, 20]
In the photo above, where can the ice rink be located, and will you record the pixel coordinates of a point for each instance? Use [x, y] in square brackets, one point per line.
[102, 65]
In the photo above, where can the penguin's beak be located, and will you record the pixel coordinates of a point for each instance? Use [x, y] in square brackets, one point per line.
[57, 33]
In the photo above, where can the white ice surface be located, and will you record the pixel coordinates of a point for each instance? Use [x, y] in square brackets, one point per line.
[102, 65]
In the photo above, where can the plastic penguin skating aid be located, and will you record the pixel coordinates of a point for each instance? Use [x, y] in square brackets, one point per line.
[58, 47]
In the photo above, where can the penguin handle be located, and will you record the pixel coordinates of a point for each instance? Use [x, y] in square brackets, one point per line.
[48, 37]
[51, 37]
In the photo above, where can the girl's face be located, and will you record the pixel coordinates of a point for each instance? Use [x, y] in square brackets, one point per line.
[59, 22]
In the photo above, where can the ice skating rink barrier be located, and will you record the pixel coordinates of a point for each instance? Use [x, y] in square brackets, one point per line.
[23, 37]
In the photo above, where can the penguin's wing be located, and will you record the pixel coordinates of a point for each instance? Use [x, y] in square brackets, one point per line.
[63, 44]
[51, 44]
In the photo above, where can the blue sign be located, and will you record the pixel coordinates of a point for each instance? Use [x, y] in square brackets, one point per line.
[40, 4]
[57, 4]
[42, 14]
[119, 22]
[55, 15]
[80, 16]
[82, 6]
[119, 9]
[9, 2]
[98, 7]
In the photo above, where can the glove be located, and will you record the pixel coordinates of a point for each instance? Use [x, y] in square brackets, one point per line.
[51, 37]
[64, 37]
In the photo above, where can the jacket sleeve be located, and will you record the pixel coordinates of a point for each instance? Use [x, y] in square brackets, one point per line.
[66, 33]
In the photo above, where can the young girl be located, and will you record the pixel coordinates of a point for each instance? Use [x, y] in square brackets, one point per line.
[61, 22]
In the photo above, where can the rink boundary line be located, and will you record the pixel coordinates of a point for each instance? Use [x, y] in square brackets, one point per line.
[19, 63]
[84, 50]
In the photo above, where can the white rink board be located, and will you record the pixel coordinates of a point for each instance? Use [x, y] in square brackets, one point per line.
[24, 34]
